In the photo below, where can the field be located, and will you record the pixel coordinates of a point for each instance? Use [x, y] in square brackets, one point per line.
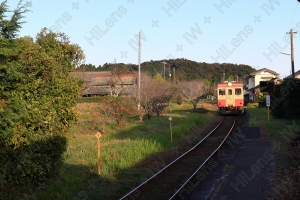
[126, 152]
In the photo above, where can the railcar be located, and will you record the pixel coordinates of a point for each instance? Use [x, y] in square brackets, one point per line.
[230, 97]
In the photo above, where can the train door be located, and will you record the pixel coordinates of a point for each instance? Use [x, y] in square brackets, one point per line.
[229, 97]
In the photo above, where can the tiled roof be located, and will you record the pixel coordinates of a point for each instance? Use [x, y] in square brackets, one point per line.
[114, 75]
[263, 70]
[88, 76]
[296, 73]
[100, 83]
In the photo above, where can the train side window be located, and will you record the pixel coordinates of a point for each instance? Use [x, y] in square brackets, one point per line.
[238, 91]
[230, 92]
[221, 91]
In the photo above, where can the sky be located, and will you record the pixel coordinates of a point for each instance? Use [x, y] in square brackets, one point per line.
[212, 31]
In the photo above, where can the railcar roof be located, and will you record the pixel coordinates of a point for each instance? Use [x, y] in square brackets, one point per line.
[233, 84]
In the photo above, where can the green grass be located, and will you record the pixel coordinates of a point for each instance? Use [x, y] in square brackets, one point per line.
[229, 167]
[271, 129]
[123, 149]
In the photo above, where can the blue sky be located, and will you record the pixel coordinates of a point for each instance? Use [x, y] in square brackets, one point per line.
[223, 31]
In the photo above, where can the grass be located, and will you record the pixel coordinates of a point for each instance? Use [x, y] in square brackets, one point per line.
[229, 167]
[123, 151]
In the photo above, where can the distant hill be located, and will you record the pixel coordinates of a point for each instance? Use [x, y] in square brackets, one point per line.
[184, 69]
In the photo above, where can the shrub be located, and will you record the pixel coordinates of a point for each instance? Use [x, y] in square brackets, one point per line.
[37, 100]
[34, 163]
[277, 110]
[118, 108]
[262, 101]
[287, 105]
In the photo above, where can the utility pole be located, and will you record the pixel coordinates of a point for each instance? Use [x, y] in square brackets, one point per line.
[115, 60]
[170, 73]
[164, 70]
[214, 89]
[139, 62]
[292, 51]
[174, 75]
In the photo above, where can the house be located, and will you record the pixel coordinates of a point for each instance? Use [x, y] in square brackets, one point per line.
[297, 75]
[252, 84]
[106, 83]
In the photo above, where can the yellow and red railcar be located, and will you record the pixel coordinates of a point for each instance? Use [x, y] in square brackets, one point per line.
[230, 97]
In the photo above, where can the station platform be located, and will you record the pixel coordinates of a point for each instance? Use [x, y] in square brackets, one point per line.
[244, 171]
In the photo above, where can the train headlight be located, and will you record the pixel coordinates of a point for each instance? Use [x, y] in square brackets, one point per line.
[229, 84]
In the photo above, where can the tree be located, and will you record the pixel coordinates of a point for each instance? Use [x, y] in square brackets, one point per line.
[193, 90]
[10, 27]
[230, 78]
[158, 77]
[86, 68]
[117, 108]
[155, 95]
[37, 100]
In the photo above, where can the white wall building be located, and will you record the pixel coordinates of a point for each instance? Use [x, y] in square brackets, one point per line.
[254, 78]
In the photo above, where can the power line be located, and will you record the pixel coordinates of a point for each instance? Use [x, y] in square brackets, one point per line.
[293, 15]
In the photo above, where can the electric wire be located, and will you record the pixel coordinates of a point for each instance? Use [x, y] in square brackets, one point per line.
[294, 14]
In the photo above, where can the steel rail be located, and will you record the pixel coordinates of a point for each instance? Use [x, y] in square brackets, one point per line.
[186, 182]
[149, 179]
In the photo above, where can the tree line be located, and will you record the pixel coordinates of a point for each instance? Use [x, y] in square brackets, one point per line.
[185, 70]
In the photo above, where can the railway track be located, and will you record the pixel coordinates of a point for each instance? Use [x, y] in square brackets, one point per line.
[169, 181]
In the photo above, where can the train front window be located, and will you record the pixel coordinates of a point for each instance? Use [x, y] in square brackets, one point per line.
[238, 91]
[230, 92]
[221, 91]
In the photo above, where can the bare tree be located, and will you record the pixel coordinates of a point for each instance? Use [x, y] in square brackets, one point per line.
[193, 90]
[117, 109]
[154, 95]
[112, 82]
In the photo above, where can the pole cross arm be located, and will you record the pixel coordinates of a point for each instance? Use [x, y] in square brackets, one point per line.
[290, 32]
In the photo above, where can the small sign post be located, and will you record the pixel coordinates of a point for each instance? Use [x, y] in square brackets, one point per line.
[170, 118]
[268, 102]
[98, 136]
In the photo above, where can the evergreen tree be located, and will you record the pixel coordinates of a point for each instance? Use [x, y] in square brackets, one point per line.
[37, 100]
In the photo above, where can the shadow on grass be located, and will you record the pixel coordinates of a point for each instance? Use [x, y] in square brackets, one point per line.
[70, 182]
[80, 181]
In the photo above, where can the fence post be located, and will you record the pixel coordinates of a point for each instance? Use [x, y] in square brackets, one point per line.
[170, 118]
[98, 136]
